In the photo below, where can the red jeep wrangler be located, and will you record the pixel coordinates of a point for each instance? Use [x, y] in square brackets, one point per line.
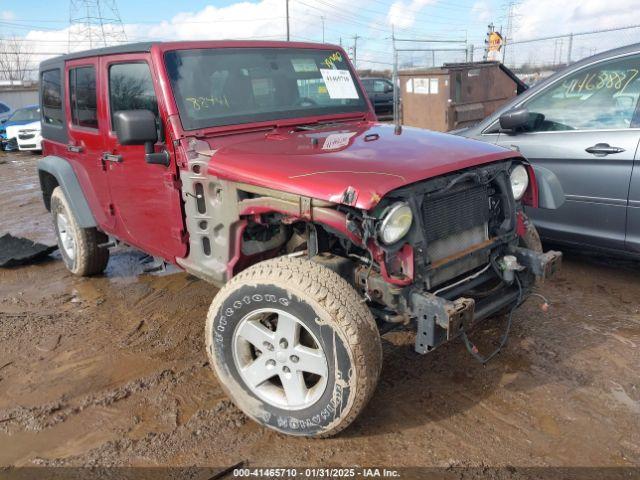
[259, 167]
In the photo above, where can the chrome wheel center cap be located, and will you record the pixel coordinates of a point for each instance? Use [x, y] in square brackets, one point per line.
[281, 357]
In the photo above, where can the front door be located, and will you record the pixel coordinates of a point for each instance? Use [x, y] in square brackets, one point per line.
[633, 212]
[85, 117]
[585, 128]
[146, 198]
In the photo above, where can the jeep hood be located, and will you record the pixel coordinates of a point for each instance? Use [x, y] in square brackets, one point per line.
[365, 157]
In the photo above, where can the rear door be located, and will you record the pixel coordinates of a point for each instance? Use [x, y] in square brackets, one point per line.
[146, 197]
[85, 118]
[585, 128]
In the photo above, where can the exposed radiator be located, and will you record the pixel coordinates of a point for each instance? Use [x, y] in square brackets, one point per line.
[456, 211]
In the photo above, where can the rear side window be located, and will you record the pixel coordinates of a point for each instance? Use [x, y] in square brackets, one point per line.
[380, 86]
[4, 108]
[52, 97]
[131, 88]
[82, 93]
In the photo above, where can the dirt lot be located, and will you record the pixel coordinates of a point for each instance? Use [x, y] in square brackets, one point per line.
[112, 371]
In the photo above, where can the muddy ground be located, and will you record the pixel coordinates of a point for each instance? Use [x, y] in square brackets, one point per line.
[112, 371]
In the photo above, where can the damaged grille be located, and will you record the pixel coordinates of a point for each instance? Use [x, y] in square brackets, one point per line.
[456, 211]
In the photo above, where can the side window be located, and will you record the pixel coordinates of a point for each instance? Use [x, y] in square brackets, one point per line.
[4, 108]
[131, 88]
[82, 93]
[604, 96]
[51, 97]
[379, 86]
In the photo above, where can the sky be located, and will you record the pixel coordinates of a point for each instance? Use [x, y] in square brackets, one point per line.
[43, 25]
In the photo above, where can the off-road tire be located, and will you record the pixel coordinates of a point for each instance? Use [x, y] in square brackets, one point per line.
[326, 305]
[89, 258]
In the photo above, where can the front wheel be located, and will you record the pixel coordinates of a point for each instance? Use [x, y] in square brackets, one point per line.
[294, 347]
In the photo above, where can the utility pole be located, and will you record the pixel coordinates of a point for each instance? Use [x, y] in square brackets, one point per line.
[396, 96]
[322, 18]
[509, 32]
[288, 36]
[355, 48]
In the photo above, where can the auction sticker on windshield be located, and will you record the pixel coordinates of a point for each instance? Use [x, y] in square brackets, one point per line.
[339, 83]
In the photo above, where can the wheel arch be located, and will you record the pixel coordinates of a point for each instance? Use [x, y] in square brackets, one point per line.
[54, 171]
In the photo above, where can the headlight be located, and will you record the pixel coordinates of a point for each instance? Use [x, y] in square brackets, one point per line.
[519, 181]
[396, 223]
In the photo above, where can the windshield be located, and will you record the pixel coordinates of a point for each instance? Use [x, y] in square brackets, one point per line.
[26, 114]
[214, 87]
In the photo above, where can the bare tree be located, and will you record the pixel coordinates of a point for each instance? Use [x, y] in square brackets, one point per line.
[15, 59]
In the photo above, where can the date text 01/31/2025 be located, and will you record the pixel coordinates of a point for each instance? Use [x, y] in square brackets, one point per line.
[316, 472]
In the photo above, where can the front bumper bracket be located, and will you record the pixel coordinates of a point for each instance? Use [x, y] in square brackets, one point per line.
[438, 319]
[543, 265]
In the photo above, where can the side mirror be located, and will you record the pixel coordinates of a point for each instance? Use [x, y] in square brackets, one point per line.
[388, 89]
[135, 127]
[138, 127]
[514, 119]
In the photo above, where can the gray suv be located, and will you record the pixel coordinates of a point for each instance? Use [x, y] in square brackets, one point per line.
[583, 124]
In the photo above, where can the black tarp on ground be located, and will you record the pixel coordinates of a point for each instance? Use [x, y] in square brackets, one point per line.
[19, 251]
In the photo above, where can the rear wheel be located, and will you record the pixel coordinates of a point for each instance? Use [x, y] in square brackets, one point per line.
[294, 347]
[78, 246]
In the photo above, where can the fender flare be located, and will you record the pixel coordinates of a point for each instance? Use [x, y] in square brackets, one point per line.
[62, 171]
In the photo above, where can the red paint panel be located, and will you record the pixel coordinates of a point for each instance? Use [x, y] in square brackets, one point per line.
[147, 203]
[374, 160]
[87, 145]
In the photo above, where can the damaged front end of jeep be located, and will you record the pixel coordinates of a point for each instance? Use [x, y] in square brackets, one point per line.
[440, 254]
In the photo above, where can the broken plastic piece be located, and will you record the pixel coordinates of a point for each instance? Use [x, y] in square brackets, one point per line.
[21, 251]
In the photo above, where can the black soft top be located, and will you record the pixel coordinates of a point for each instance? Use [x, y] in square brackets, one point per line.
[140, 47]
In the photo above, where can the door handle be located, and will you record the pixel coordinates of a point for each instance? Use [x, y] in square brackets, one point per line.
[110, 157]
[603, 149]
[74, 148]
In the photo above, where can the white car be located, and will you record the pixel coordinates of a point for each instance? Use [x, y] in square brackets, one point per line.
[29, 136]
